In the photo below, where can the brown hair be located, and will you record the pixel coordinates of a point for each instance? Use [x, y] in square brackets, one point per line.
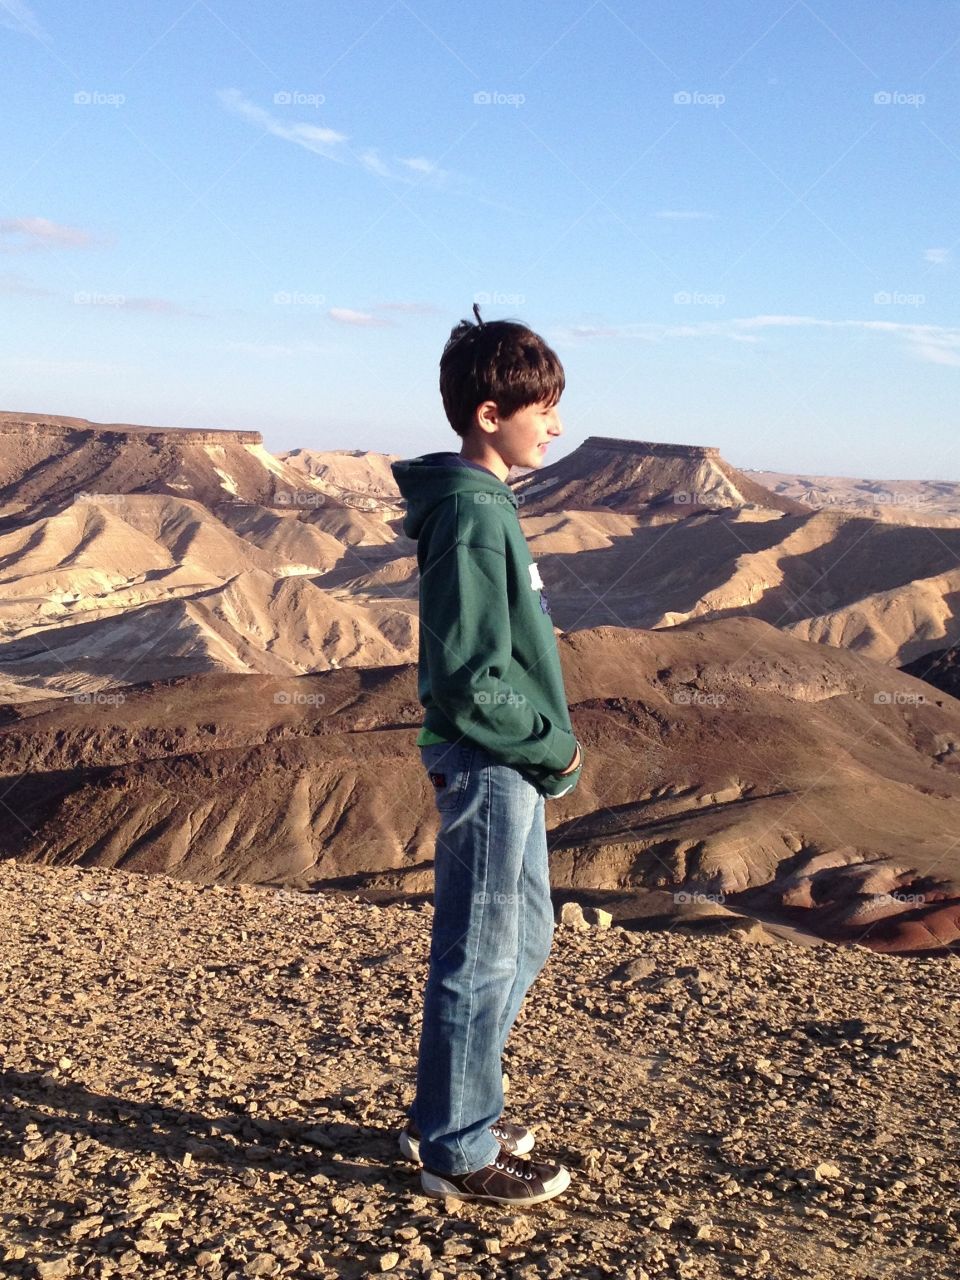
[499, 360]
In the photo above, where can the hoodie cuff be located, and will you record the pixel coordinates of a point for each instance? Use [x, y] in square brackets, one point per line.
[561, 749]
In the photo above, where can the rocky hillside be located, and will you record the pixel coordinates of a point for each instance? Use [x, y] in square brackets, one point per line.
[936, 502]
[133, 553]
[729, 769]
[209, 1082]
[637, 475]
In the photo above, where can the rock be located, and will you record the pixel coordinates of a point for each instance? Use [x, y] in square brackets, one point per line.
[389, 1260]
[826, 1170]
[54, 1269]
[516, 1230]
[265, 1264]
[634, 970]
[597, 917]
[571, 914]
[749, 933]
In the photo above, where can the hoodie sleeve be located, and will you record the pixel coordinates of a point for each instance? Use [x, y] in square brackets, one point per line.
[465, 631]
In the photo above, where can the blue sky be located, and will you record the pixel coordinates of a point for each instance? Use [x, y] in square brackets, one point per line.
[738, 225]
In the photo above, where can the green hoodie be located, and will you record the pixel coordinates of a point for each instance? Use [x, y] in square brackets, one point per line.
[488, 667]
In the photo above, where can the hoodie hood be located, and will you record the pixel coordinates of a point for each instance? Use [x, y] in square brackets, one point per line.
[426, 481]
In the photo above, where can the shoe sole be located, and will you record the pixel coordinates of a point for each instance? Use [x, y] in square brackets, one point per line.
[435, 1185]
[410, 1146]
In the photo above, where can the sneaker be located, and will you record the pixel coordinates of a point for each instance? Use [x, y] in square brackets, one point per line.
[515, 1139]
[508, 1180]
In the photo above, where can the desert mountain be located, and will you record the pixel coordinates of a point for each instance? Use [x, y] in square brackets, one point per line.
[730, 770]
[46, 459]
[355, 476]
[130, 553]
[644, 477]
[933, 502]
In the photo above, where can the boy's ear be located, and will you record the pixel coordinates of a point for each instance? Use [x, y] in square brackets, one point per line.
[487, 415]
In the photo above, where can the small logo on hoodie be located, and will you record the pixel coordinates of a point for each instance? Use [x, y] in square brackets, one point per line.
[536, 583]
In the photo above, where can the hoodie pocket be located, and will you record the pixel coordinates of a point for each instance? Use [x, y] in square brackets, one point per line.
[448, 770]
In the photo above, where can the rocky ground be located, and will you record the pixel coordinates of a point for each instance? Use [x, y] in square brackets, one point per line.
[207, 1081]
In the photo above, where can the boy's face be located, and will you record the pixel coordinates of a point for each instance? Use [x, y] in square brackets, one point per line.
[521, 440]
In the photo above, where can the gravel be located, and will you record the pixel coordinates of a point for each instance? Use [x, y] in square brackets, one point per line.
[208, 1081]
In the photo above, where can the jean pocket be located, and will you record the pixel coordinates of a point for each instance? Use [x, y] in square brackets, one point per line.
[448, 768]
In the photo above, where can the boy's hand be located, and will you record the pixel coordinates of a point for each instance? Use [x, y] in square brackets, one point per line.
[573, 763]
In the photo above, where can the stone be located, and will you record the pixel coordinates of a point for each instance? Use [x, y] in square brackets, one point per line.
[571, 914]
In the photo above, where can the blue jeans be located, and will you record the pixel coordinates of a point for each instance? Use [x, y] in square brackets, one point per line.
[492, 933]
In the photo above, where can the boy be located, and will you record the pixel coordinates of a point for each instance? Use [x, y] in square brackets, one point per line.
[496, 740]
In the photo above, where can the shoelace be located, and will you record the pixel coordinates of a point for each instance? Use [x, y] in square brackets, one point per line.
[516, 1166]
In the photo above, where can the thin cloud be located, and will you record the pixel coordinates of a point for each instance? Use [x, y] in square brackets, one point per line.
[333, 145]
[315, 138]
[42, 233]
[933, 353]
[939, 256]
[270, 349]
[17, 16]
[358, 319]
[378, 314]
[420, 164]
[928, 343]
[370, 159]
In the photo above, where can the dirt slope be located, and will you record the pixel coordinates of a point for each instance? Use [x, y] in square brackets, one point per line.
[729, 768]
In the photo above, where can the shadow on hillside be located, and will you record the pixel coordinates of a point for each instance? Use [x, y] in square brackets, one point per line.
[224, 1136]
